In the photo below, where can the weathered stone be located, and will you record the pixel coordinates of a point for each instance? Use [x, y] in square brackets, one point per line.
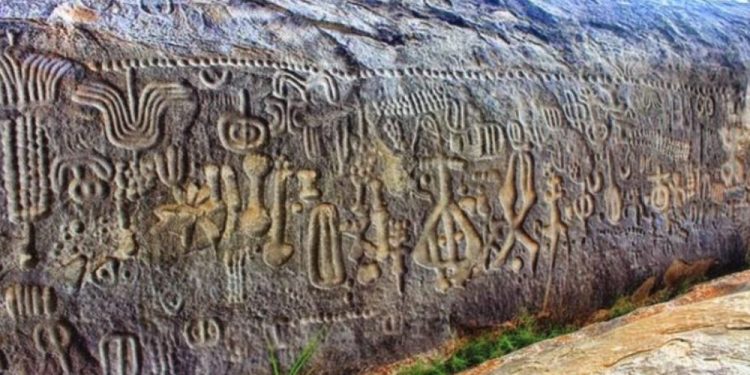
[191, 183]
[702, 332]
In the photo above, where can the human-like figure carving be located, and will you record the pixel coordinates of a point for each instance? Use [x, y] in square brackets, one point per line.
[520, 174]
[555, 230]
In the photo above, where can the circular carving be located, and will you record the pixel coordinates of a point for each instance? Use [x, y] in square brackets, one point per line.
[242, 134]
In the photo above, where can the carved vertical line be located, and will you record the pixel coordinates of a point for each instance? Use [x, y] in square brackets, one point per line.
[31, 152]
[23, 172]
[10, 174]
[8, 80]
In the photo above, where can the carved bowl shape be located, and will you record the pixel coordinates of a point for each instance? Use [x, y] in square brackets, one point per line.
[242, 134]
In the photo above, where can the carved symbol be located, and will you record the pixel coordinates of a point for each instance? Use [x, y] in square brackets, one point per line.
[34, 82]
[170, 168]
[612, 195]
[442, 252]
[276, 251]
[171, 302]
[660, 194]
[704, 105]
[202, 333]
[285, 115]
[733, 141]
[53, 337]
[576, 109]
[242, 133]
[25, 166]
[231, 198]
[308, 191]
[255, 218]
[397, 236]
[24, 301]
[212, 79]
[119, 354]
[131, 123]
[291, 94]
[161, 352]
[235, 263]
[325, 261]
[487, 141]
[553, 119]
[88, 176]
[154, 7]
[25, 177]
[344, 142]
[113, 272]
[555, 230]
[509, 196]
[199, 208]
[583, 206]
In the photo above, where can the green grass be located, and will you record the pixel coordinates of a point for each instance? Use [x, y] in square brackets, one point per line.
[623, 305]
[528, 331]
[302, 360]
[480, 349]
[685, 285]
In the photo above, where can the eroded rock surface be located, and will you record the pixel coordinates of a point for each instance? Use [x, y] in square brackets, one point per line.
[184, 185]
[703, 332]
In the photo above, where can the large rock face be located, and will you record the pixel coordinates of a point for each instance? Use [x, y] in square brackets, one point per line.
[702, 332]
[185, 185]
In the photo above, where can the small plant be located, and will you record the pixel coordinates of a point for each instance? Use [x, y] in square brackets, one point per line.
[488, 346]
[622, 306]
[302, 360]
[528, 331]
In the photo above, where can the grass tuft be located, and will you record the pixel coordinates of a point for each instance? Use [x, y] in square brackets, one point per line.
[482, 348]
[622, 306]
[526, 332]
[302, 360]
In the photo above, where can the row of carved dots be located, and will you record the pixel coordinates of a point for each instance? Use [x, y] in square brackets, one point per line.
[481, 75]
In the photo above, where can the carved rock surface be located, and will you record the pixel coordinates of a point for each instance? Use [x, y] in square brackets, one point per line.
[185, 185]
[702, 332]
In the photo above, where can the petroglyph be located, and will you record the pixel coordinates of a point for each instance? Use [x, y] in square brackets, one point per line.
[178, 208]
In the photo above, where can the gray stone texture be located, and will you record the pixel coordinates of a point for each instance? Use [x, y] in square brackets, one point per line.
[185, 184]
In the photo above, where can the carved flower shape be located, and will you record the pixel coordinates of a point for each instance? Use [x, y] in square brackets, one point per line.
[194, 210]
